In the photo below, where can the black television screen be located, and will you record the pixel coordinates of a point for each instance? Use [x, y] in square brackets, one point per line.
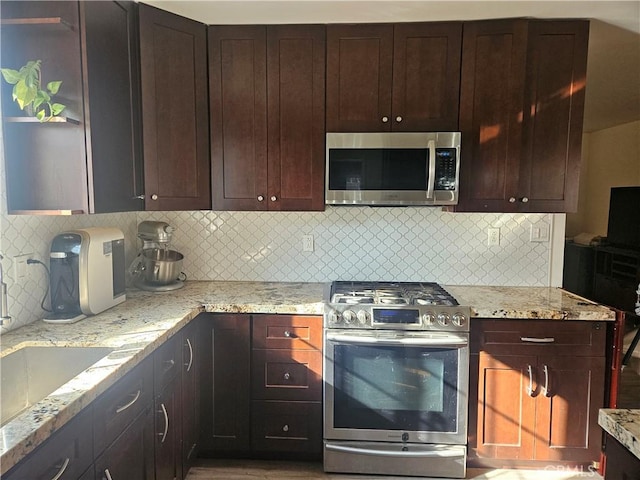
[624, 218]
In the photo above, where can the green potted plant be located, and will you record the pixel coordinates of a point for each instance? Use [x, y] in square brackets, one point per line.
[29, 95]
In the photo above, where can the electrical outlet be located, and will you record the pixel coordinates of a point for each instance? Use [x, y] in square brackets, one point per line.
[307, 243]
[20, 266]
[539, 233]
[493, 236]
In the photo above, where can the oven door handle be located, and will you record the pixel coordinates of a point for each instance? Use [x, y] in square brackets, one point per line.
[445, 340]
[391, 453]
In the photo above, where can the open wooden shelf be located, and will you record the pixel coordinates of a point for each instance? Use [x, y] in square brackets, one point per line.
[35, 120]
[47, 22]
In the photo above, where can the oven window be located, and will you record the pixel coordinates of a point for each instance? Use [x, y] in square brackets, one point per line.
[395, 388]
[378, 168]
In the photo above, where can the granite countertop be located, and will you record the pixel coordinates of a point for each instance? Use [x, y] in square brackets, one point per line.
[623, 425]
[135, 328]
[529, 302]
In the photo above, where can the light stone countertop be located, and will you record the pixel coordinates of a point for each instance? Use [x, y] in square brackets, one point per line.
[528, 302]
[135, 328]
[623, 425]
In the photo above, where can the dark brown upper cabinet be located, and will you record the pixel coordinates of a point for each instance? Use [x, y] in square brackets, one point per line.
[399, 77]
[88, 160]
[173, 58]
[267, 93]
[521, 110]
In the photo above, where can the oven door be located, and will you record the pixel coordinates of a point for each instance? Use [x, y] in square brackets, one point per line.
[396, 386]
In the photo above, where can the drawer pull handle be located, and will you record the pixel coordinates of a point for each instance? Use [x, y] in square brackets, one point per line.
[530, 386]
[62, 469]
[136, 396]
[546, 390]
[285, 428]
[166, 423]
[107, 474]
[190, 364]
[538, 340]
[287, 376]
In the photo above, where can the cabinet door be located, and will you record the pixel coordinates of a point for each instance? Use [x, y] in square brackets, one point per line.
[295, 98]
[112, 105]
[65, 455]
[571, 390]
[238, 112]
[426, 76]
[226, 384]
[506, 407]
[359, 76]
[190, 403]
[555, 89]
[121, 404]
[131, 455]
[173, 56]
[168, 431]
[491, 100]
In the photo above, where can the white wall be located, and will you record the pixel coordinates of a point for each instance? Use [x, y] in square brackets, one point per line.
[611, 158]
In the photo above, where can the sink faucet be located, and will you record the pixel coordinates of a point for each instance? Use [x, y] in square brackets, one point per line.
[4, 314]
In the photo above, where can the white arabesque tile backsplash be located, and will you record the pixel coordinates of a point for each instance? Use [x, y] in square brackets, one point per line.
[351, 243]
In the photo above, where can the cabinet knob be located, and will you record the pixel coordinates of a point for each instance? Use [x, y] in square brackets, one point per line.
[273, 198]
[385, 119]
[398, 119]
[285, 428]
[287, 376]
[524, 200]
[287, 334]
[154, 197]
[512, 200]
[260, 198]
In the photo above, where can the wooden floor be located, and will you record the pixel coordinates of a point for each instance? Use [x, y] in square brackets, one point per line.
[629, 388]
[265, 470]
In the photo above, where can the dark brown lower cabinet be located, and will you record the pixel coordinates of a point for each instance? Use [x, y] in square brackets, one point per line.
[168, 432]
[536, 387]
[262, 386]
[286, 427]
[190, 394]
[69, 450]
[621, 463]
[131, 455]
[136, 430]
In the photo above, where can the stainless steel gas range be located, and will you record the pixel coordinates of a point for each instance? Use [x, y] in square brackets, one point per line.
[396, 374]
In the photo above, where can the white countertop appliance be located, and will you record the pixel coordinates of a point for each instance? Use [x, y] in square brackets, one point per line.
[396, 374]
[87, 273]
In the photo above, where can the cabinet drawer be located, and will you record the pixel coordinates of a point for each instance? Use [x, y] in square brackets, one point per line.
[167, 362]
[291, 332]
[69, 453]
[535, 337]
[287, 427]
[286, 375]
[121, 404]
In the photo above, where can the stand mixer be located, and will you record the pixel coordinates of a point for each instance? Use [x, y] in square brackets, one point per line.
[157, 268]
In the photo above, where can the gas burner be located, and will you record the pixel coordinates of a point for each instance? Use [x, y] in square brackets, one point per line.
[352, 299]
[392, 301]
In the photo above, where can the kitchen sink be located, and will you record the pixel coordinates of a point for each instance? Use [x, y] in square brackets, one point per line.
[30, 374]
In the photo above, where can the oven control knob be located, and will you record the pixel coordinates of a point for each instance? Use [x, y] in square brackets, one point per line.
[428, 319]
[334, 317]
[458, 319]
[443, 319]
[363, 317]
[348, 316]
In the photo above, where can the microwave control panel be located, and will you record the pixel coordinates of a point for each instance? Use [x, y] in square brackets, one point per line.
[446, 169]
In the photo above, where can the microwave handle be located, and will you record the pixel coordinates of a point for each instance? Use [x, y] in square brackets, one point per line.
[431, 172]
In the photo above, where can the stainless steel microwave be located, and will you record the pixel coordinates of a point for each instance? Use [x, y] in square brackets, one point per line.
[403, 168]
